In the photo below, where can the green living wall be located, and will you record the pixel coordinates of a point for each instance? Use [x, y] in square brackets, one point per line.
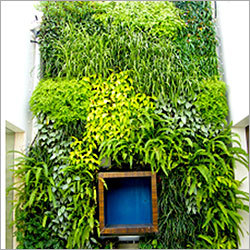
[138, 83]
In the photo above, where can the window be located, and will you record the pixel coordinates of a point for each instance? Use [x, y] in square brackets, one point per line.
[129, 204]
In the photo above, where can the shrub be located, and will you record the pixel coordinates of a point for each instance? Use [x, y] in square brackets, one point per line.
[62, 101]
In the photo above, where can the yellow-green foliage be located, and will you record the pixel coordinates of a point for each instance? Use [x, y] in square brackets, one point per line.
[114, 114]
[115, 108]
[212, 102]
[62, 101]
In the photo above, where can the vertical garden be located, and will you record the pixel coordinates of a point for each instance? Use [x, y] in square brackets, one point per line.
[138, 83]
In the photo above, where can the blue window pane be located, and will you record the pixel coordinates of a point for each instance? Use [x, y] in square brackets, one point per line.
[128, 201]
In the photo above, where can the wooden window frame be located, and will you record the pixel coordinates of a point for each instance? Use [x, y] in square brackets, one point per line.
[135, 229]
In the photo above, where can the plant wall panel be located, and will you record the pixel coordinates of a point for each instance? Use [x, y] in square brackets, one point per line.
[138, 83]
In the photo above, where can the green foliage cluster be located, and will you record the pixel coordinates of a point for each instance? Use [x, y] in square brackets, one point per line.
[151, 60]
[212, 102]
[140, 17]
[34, 194]
[197, 41]
[35, 236]
[41, 194]
[120, 84]
[62, 101]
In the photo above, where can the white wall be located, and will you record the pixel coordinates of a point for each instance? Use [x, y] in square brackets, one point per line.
[18, 77]
[17, 60]
[233, 31]
[233, 22]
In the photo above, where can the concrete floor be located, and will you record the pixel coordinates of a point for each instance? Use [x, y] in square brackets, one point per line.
[128, 246]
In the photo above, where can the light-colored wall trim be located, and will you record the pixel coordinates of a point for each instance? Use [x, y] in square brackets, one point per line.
[18, 146]
[12, 127]
[243, 123]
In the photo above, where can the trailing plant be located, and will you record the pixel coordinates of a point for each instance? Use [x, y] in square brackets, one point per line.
[34, 200]
[41, 195]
